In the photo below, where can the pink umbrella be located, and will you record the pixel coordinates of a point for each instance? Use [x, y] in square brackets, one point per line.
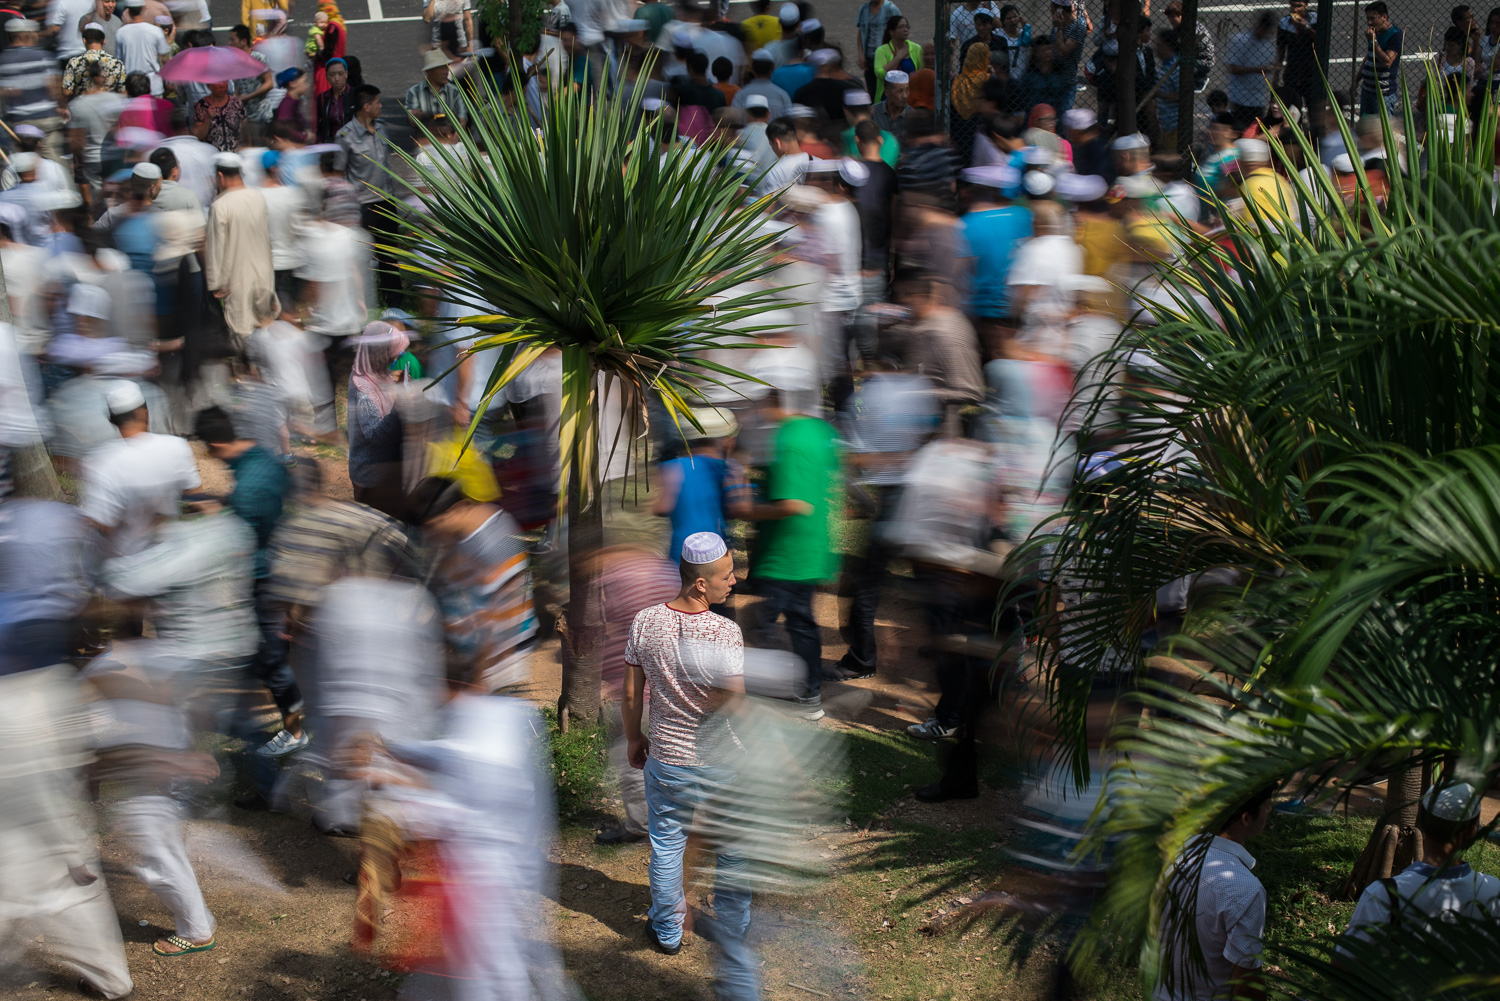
[211, 64]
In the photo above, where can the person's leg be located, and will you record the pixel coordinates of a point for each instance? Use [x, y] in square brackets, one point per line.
[669, 792]
[85, 938]
[153, 827]
[270, 666]
[376, 218]
[738, 971]
[868, 576]
[632, 780]
[806, 635]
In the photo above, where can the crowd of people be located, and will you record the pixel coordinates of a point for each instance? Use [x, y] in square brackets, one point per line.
[202, 261]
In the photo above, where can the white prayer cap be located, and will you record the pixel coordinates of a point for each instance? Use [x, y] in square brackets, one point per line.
[854, 173]
[1132, 141]
[163, 20]
[1038, 183]
[1457, 802]
[21, 24]
[1139, 186]
[716, 423]
[811, 24]
[703, 547]
[229, 161]
[30, 131]
[25, 162]
[822, 57]
[856, 98]
[1081, 187]
[88, 299]
[92, 26]
[800, 111]
[896, 76]
[1343, 163]
[788, 14]
[762, 56]
[756, 101]
[1078, 119]
[1037, 156]
[651, 104]
[999, 175]
[817, 166]
[682, 40]
[58, 201]
[1253, 150]
[146, 170]
[125, 397]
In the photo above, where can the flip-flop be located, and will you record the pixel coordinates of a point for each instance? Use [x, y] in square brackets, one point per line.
[184, 947]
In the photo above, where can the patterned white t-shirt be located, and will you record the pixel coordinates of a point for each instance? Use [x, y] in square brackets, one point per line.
[686, 657]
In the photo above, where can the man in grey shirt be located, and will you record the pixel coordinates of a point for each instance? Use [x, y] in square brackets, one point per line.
[366, 155]
[777, 99]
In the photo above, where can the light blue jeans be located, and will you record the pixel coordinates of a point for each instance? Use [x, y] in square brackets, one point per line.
[673, 793]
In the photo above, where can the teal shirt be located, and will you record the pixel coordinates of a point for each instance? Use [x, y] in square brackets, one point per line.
[890, 149]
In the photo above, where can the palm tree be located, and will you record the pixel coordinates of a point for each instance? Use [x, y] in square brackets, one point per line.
[1321, 421]
[595, 236]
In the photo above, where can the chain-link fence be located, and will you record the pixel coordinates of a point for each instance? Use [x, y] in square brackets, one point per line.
[1241, 50]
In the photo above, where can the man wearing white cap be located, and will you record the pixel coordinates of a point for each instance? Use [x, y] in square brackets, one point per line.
[857, 108]
[777, 100]
[237, 252]
[1272, 193]
[130, 483]
[694, 661]
[789, 46]
[140, 44]
[29, 78]
[893, 113]
[1441, 884]
[29, 196]
[752, 138]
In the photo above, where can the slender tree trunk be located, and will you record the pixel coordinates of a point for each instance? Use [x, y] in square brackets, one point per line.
[582, 625]
[1126, 33]
[1395, 843]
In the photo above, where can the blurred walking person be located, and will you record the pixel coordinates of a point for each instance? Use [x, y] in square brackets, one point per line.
[237, 252]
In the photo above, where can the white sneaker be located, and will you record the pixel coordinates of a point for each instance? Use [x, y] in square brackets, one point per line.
[931, 730]
[811, 709]
[283, 744]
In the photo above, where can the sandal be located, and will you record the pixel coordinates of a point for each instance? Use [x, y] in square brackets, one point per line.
[183, 946]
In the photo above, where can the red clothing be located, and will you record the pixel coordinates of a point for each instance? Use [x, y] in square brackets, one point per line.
[147, 112]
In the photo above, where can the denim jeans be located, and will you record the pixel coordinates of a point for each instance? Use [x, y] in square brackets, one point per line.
[673, 794]
[793, 600]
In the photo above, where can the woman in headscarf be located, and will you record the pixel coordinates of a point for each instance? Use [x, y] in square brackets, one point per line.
[923, 89]
[335, 37]
[375, 430]
[1041, 130]
[290, 110]
[968, 86]
[336, 104]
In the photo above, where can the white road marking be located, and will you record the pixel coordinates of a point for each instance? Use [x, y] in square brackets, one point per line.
[377, 12]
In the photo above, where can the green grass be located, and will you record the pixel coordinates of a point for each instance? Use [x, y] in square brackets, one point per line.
[579, 764]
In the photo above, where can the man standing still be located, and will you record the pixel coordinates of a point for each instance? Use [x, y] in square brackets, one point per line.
[694, 660]
[1251, 59]
[366, 155]
[1380, 72]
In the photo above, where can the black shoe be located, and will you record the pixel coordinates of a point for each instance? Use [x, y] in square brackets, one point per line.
[254, 802]
[940, 793]
[849, 671]
[665, 950]
[338, 832]
[617, 835]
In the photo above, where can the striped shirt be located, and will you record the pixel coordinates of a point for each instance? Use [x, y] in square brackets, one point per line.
[319, 543]
[484, 590]
[30, 71]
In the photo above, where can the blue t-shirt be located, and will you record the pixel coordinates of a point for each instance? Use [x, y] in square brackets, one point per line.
[993, 235]
[792, 78]
[700, 499]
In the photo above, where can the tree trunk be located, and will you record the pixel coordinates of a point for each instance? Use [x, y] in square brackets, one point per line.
[1395, 843]
[1126, 33]
[581, 629]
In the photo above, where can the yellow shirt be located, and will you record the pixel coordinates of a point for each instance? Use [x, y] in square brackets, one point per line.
[1102, 240]
[760, 30]
[1273, 194]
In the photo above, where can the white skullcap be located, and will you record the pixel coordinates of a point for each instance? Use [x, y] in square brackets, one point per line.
[1037, 156]
[757, 101]
[817, 166]
[1459, 801]
[682, 40]
[999, 175]
[146, 170]
[651, 104]
[25, 162]
[762, 56]
[92, 26]
[58, 201]
[822, 57]
[1038, 183]
[896, 76]
[30, 131]
[21, 24]
[1343, 163]
[800, 111]
[1081, 187]
[229, 161]
[1132, 141]
[854, 173]
[788, 14]
[163, 20]
[856, 98]
[703, 547]
[1079, 119]
[125, 397]
[716, 423]
[811, 24]
[1139, 186]
[1254, 150]
[88, 299]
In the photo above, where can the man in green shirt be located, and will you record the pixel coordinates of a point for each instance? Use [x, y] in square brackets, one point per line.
[794, 547]
[856, 110]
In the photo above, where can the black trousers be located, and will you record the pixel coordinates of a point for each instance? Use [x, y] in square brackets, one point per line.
[377, 218]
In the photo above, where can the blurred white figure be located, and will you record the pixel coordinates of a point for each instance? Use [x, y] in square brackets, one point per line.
[379, 647]
[336, 266]
[1041, 280]
[289, 358]
[485, 796]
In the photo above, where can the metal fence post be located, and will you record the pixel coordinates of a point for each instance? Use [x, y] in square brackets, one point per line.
[940, 66]
[1127, 32]
[1323, 37]
[1187, 76]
